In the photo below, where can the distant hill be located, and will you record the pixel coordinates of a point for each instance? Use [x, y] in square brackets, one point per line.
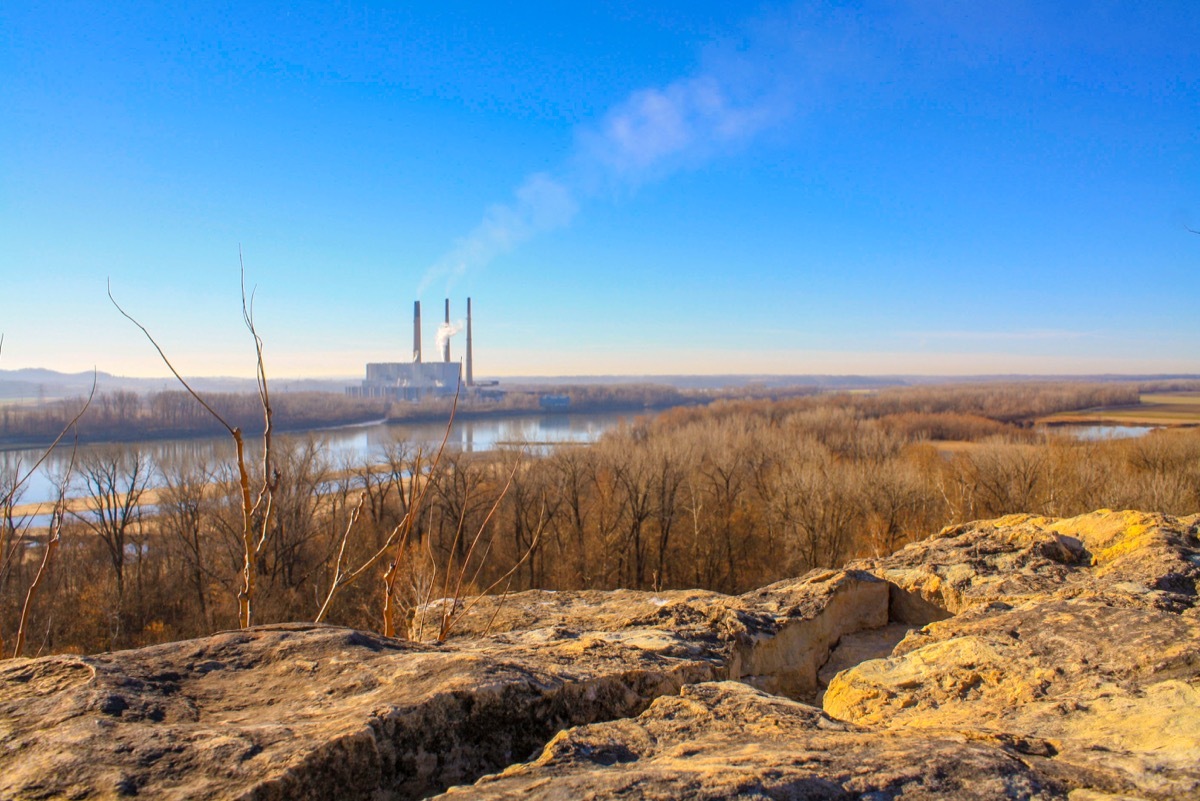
[822, 382]
[32, 384]
[716, 381]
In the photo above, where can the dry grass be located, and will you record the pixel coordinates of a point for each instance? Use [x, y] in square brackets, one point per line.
[950, 447]
[1156, 409]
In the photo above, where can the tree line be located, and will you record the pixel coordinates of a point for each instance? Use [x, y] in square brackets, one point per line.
[124, 415]
[727, 496]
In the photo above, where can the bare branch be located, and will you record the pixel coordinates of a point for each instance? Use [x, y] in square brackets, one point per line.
[416, 503]
[167, 362]
[252, 542]
[270, 474]
[449, 618]
[339, 571]
[46, 453]
[399, 537]
[53, 536]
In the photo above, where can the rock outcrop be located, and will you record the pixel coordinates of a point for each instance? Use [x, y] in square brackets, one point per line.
[293, 712]
[1080, 634]
[726, 740]
[1017, 658]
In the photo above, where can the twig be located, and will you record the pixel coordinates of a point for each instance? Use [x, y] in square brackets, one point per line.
[53, 536]
[339, 575]
[449, 618]
[170, 366]
[252, 541]
[46, 453]
[416, 502]
[504, 595]
[506, 577]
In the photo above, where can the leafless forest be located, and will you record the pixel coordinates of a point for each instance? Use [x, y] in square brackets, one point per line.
[125, 416]
[726, 497]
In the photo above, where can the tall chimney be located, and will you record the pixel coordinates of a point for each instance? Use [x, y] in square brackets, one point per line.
[470, 376]
[446, 344]
[417, 331]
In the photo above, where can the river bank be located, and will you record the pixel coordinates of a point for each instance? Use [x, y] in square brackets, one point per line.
[353, 444]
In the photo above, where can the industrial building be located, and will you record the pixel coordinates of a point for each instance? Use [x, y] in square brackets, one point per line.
[419, 379]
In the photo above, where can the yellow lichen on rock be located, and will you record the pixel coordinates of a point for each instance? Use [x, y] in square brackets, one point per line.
[932, 684]
[1083, 633]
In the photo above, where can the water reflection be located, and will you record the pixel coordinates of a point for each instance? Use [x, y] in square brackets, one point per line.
[1102, 432]
[350, 445]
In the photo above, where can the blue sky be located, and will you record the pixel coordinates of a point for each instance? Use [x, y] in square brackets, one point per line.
[634, 188]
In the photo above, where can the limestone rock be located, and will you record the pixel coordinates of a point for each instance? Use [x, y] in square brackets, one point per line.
[1145, 559]
[1061, 660]
[292, 712]
[1082, 632]
[727, 740]
[775, 638]
[1019, 658]
[301, 711]
[603, 610]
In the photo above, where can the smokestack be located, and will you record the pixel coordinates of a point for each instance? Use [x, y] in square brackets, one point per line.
[417, 331]
[446, 344]
[470, 376]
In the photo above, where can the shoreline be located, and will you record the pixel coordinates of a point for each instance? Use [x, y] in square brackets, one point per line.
[424, 418]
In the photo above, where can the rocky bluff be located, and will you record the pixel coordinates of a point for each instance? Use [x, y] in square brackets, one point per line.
[1022, 657]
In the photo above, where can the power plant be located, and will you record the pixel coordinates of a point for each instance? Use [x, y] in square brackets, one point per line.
[419, 379]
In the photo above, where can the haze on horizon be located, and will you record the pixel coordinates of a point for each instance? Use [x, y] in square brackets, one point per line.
[650, 188]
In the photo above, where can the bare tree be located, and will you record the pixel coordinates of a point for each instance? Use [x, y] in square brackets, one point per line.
[296, 521]
[531, 503]
[633, 474]
[893, 498]
[384, 484]
[723, 470]
[112, 482]
[569, 469]
[459, 500]
[184, 515]
[401, 537]
[14, 527]
[53, 538]
[258, 505]
[605, 514]
[463, 574]
[1008, 477]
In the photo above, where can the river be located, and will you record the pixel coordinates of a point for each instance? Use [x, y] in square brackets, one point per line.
[1085, 431]
[345, 445]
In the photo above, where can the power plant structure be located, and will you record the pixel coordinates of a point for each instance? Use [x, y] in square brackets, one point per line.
[419, 379]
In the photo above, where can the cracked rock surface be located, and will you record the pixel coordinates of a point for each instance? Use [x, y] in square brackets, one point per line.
[1036, 658]
[293, 712]
[727, 740]
[1083, 633]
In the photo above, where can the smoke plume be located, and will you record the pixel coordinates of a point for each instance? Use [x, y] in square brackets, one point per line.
[447, 330]
[740, 91]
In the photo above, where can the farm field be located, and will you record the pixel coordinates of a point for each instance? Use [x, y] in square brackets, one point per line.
[1156, 409]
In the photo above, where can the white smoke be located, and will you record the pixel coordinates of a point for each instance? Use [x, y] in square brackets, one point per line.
[653, 132]
[660, 130]
[540, 204]
[445, 331]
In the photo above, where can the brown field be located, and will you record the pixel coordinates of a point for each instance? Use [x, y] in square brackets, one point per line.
[1155, 409]
[949, 447]
[81, 505]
